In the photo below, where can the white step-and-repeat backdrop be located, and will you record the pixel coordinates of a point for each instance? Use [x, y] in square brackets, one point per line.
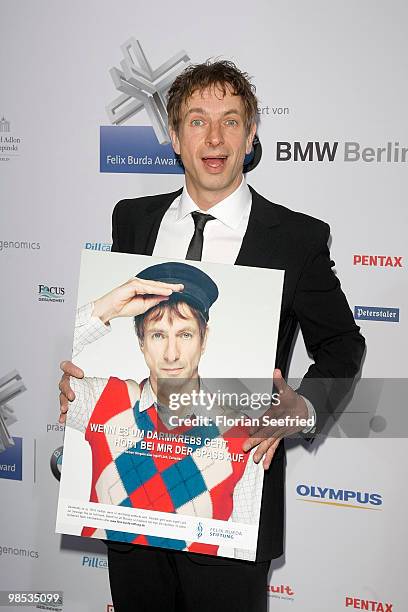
[75, 138]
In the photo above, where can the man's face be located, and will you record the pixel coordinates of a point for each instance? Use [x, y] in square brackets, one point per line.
[173, 348]
[212, 141]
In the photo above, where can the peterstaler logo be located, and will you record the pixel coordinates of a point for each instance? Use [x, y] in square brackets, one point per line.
[378, 261]
[134, 148]
[376, 313]
[349, 151]
[368, 604]
[339, 497]
[95, 562]
[50, 294]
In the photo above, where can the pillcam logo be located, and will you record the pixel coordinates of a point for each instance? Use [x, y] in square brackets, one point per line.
[95, 562]
[349, 151]
[339, 497]
[50, 294]
[281, 591]
[98, 246]
[378, 261]
[134, 148]
[368, 604]
[56, 462]
[376, 313]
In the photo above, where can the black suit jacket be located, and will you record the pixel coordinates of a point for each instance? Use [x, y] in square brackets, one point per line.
[279, 238]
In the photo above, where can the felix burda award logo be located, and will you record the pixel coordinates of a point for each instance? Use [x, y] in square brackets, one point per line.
[140, 148]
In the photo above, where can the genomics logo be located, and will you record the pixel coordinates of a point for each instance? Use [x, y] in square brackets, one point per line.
[50, 294]
[19, 244]
[98, 246]
[19, 552]
[95, 562]
[376, 313]
[339, 497]
[368, 604]
[56, 462]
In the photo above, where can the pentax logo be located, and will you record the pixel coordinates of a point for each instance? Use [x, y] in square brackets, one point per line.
[368, 604]
[378, 261]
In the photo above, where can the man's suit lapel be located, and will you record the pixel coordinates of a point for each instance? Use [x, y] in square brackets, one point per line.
[262, 239]
[148, 225]
[261, 242]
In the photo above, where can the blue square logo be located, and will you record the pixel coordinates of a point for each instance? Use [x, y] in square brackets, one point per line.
[11, 461]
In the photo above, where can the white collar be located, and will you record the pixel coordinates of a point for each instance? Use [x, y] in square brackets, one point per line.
[147, 398]
[229, 211]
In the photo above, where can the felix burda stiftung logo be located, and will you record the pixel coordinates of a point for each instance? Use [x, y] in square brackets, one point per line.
[50, 294]
[140, 148]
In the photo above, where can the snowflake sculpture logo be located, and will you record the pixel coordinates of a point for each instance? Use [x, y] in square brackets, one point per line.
[144, 88]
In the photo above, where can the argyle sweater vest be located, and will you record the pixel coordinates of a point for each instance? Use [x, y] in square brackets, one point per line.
[177, 477]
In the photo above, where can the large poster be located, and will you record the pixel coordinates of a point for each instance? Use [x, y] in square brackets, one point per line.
[178, 358]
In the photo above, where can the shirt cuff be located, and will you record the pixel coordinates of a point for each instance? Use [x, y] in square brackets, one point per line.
[311, 415]
[87, 328]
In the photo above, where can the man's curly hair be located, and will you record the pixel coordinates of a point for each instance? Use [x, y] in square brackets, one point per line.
[221, 74]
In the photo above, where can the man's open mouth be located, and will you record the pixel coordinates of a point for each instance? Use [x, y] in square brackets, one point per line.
[215, 162]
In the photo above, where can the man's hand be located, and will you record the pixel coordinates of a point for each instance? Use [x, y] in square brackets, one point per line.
[133, 298]
[67, 393]
[268, 437]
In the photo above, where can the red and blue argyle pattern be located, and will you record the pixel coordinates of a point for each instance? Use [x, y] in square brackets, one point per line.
[172, 478]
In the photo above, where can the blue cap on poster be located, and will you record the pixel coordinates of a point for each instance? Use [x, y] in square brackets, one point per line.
[199, 289]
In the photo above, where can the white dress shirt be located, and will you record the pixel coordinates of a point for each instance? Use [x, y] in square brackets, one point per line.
[223, 236]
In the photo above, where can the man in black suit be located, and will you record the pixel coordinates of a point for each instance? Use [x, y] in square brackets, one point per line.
[217, 217]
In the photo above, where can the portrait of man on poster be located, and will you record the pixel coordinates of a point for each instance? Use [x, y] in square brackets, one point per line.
[203, 472]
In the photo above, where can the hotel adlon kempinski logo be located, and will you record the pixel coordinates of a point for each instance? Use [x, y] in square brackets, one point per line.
[9, 142]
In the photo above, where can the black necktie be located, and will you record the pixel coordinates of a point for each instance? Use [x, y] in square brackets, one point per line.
[195, 248]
